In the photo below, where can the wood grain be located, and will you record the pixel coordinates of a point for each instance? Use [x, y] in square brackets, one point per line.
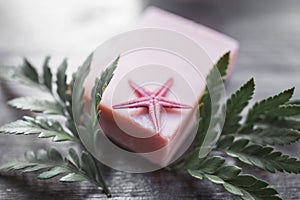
[269, 34]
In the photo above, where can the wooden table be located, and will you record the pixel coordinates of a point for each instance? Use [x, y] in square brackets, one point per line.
[269, 34]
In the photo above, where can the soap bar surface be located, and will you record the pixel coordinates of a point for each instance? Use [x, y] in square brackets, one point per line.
[134, 128]
[214, 43]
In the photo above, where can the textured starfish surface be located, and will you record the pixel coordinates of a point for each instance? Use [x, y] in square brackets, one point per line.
[154, 101]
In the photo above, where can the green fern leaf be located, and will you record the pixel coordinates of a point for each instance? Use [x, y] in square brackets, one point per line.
[104, 80]
[26, 75]
[286, 122]
[265, 158]
[235, 105]
[77, 85]
[74, 157]
[29, 71]
[36, 105]
[90, 121]
[43, 127]
[55, 171]
[269, 104]
[223, 64]
[61, 80]
[72, 177]
[284, 111]
[273, 136]
[47, 74]
[209, 115]
[52, 164]
[230, 177]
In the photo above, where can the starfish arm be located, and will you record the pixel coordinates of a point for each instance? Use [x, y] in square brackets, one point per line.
[154, 101]
[163, 90]
[172, 104]
[139, 90]
[154, 112]
[140, 102]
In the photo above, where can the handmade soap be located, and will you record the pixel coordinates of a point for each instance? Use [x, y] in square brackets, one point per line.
[214, 43]
[152, 107]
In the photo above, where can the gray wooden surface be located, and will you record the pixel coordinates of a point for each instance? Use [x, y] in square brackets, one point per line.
[269, 34]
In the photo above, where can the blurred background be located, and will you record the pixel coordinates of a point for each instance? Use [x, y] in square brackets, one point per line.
[61, 28]
[268, 32]
[75, 28]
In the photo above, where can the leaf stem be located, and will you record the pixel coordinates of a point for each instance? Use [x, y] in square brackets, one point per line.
[101, 179]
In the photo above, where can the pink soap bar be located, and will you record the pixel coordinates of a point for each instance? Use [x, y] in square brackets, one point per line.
[134, 128]
[214, 43]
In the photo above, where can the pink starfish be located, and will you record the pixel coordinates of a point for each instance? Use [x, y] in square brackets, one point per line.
[154, 101]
